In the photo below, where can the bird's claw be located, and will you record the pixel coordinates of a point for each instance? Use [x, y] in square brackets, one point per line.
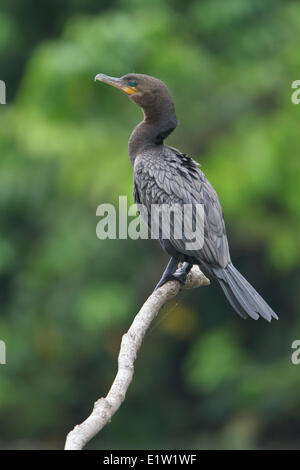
[180, 275]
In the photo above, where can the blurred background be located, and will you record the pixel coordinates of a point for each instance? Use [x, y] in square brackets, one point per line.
[204, 378]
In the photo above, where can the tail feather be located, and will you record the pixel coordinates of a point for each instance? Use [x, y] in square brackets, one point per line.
[231, 299]
[241, 295]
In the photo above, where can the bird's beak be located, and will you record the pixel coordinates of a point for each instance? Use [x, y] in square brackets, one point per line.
[116, 82]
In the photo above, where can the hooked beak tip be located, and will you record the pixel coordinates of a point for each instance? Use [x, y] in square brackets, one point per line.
[115, 82]
[99, 77]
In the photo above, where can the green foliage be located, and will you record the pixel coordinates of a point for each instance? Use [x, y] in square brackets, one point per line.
[204, 378]
[213, 360]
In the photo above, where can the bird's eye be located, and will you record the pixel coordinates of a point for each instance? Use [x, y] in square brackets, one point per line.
[132, 83]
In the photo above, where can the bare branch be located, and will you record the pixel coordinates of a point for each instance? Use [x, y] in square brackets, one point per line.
[105, 408]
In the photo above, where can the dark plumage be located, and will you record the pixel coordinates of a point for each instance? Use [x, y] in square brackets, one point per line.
[163, 175]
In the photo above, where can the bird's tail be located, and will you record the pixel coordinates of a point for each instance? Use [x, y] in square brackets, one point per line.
[241, 295]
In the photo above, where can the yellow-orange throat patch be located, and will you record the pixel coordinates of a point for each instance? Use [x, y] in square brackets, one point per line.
[130, 90]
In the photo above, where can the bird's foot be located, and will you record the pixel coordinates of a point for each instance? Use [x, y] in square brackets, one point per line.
[180, 275]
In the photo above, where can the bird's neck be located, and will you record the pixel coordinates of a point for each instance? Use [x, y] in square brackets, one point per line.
[155, 127]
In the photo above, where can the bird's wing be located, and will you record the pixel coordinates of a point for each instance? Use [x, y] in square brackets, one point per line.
[175, 179]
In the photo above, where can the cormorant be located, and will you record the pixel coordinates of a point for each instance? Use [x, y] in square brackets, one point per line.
[164, 175]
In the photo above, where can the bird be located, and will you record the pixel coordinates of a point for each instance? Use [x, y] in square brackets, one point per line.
[163, 175]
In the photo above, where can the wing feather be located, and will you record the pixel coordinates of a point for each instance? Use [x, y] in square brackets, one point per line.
[175, 178]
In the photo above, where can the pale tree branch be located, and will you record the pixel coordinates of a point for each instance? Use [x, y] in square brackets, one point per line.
[105, 408]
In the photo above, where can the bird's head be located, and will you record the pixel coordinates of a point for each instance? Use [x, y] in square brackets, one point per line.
[147, 92]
